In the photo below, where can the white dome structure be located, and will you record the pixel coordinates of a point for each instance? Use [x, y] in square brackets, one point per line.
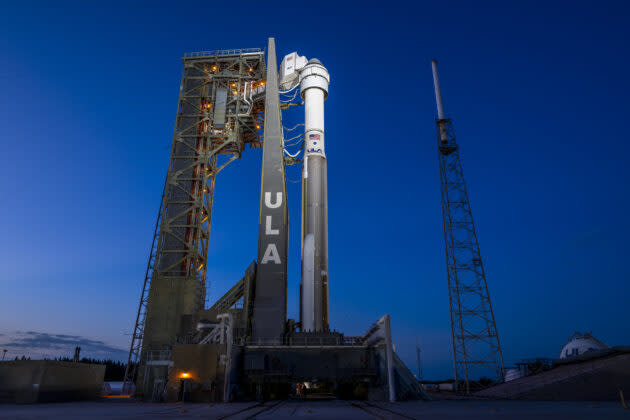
[579, 344]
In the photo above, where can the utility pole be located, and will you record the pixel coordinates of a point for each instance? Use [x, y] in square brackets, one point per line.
[418, 360]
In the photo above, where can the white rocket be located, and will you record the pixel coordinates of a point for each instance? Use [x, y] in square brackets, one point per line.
[313, 79]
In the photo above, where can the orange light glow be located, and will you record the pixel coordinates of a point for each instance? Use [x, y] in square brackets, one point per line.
[257, 126]
[185, 375]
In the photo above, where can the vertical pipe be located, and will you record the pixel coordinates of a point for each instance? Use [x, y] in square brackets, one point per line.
[418, 360]
[438, 92]
[228, 365]
[438, 101]
[389, 354]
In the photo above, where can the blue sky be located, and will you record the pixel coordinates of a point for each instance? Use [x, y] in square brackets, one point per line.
[538, 93]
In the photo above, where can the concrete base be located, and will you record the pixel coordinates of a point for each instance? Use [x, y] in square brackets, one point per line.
[286, 372]
[198, 373]
[31, 381]
[276, 372]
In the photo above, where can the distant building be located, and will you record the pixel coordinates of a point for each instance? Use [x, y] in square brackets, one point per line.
[528, 367]
[32, 381]
[579, 344]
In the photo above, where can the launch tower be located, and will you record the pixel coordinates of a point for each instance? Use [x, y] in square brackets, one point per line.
[221, 105]
[243, 346]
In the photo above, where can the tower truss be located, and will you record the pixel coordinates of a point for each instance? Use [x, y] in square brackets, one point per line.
[476, 346]
[220, 111]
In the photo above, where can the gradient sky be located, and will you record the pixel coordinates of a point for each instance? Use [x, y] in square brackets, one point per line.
[539, 96]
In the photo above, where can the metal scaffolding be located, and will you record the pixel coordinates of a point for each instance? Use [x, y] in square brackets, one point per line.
[221, 109]
[476, 347]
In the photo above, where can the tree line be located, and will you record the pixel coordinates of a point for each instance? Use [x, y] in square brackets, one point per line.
[114, 369]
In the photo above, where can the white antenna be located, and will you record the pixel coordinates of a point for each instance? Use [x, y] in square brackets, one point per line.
[419, 377]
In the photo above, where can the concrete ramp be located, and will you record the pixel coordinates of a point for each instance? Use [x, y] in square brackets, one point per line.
[597, 379]
[407, 386]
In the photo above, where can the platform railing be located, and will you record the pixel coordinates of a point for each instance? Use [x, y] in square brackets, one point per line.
[153, 355]
[222, 52]
[315, 341]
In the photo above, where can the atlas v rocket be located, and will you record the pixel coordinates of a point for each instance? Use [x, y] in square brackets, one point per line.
[313, 80]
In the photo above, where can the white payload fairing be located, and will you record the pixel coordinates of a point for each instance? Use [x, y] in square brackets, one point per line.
[313, 79]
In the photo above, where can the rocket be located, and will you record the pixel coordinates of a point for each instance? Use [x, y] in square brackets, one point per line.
[313, 79]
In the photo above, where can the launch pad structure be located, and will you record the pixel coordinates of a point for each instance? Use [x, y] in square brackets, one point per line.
[243, 346]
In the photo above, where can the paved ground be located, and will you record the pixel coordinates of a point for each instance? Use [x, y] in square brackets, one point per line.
[343, 410]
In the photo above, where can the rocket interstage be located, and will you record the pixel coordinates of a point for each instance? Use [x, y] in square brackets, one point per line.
[314, 80]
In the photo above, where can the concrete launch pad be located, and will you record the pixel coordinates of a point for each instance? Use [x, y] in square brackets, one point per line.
[347, 410]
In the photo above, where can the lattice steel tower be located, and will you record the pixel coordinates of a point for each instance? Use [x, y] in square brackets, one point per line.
[476, 346]
[221, 105]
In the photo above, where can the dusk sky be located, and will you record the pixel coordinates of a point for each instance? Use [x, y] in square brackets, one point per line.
[538, 92]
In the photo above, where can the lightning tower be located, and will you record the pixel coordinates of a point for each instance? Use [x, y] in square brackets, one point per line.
[476, 346]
